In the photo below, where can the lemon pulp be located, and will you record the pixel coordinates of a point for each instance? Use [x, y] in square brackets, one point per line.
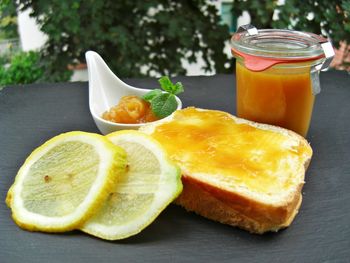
[64, 180]
[149, 185]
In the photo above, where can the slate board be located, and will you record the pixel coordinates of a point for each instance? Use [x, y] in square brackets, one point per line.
[31, 114]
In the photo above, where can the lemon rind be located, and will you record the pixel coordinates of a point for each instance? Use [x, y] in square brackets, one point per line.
[171, 187]
[110, 167]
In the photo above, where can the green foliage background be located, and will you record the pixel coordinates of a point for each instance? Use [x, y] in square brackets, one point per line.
[158, 34]
[130, 34]
[330, 17]
[24, 68]
[8, 19]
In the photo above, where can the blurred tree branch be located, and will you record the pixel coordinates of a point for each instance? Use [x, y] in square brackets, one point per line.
[131, 34]
[8, 20]
[331, 18]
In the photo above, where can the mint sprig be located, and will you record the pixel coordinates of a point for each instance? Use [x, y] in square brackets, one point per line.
[163, 103]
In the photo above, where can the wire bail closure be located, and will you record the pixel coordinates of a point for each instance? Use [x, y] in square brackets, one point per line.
[249, 28]
[325, 45]
[329, 55]
[261, 63]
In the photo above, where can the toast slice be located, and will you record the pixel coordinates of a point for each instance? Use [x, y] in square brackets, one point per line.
[235, 171]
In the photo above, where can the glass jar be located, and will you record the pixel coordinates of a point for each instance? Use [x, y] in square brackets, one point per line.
[277, 75]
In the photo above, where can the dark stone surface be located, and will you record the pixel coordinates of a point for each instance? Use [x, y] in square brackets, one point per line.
[31, 114]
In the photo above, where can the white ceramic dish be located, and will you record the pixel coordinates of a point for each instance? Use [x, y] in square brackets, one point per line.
[105, 91]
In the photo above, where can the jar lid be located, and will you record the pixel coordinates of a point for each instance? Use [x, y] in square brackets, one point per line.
[264, 48]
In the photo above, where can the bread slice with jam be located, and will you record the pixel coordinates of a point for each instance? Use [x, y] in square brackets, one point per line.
[235, 171]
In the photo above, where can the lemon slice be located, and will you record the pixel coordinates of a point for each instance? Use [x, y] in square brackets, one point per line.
[9, 197]
[150, 184]
[63, 181]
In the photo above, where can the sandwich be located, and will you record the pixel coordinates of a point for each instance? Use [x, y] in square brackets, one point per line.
[235, 171]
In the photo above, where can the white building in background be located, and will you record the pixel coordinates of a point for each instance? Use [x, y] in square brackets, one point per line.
[32, 38]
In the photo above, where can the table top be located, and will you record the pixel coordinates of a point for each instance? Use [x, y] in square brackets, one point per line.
[31, 114]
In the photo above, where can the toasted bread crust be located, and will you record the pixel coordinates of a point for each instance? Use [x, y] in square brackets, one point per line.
[235, 210]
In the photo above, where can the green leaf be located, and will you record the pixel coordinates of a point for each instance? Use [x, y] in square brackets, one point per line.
[178, 88]
[151, 94]
[166, 84]
[163, 105]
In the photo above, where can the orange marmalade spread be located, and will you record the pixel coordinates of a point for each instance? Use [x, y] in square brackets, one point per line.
[275, 96]
[214, 143]
[130, 109]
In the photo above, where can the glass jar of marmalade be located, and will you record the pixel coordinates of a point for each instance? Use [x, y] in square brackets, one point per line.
[277, 75]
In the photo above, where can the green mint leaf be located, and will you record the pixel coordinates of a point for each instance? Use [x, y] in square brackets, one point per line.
[151, 94]
[166, 84]
[178, 88]
[163, 105]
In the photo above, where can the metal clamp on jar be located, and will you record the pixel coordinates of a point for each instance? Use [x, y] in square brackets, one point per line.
[277, 75]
